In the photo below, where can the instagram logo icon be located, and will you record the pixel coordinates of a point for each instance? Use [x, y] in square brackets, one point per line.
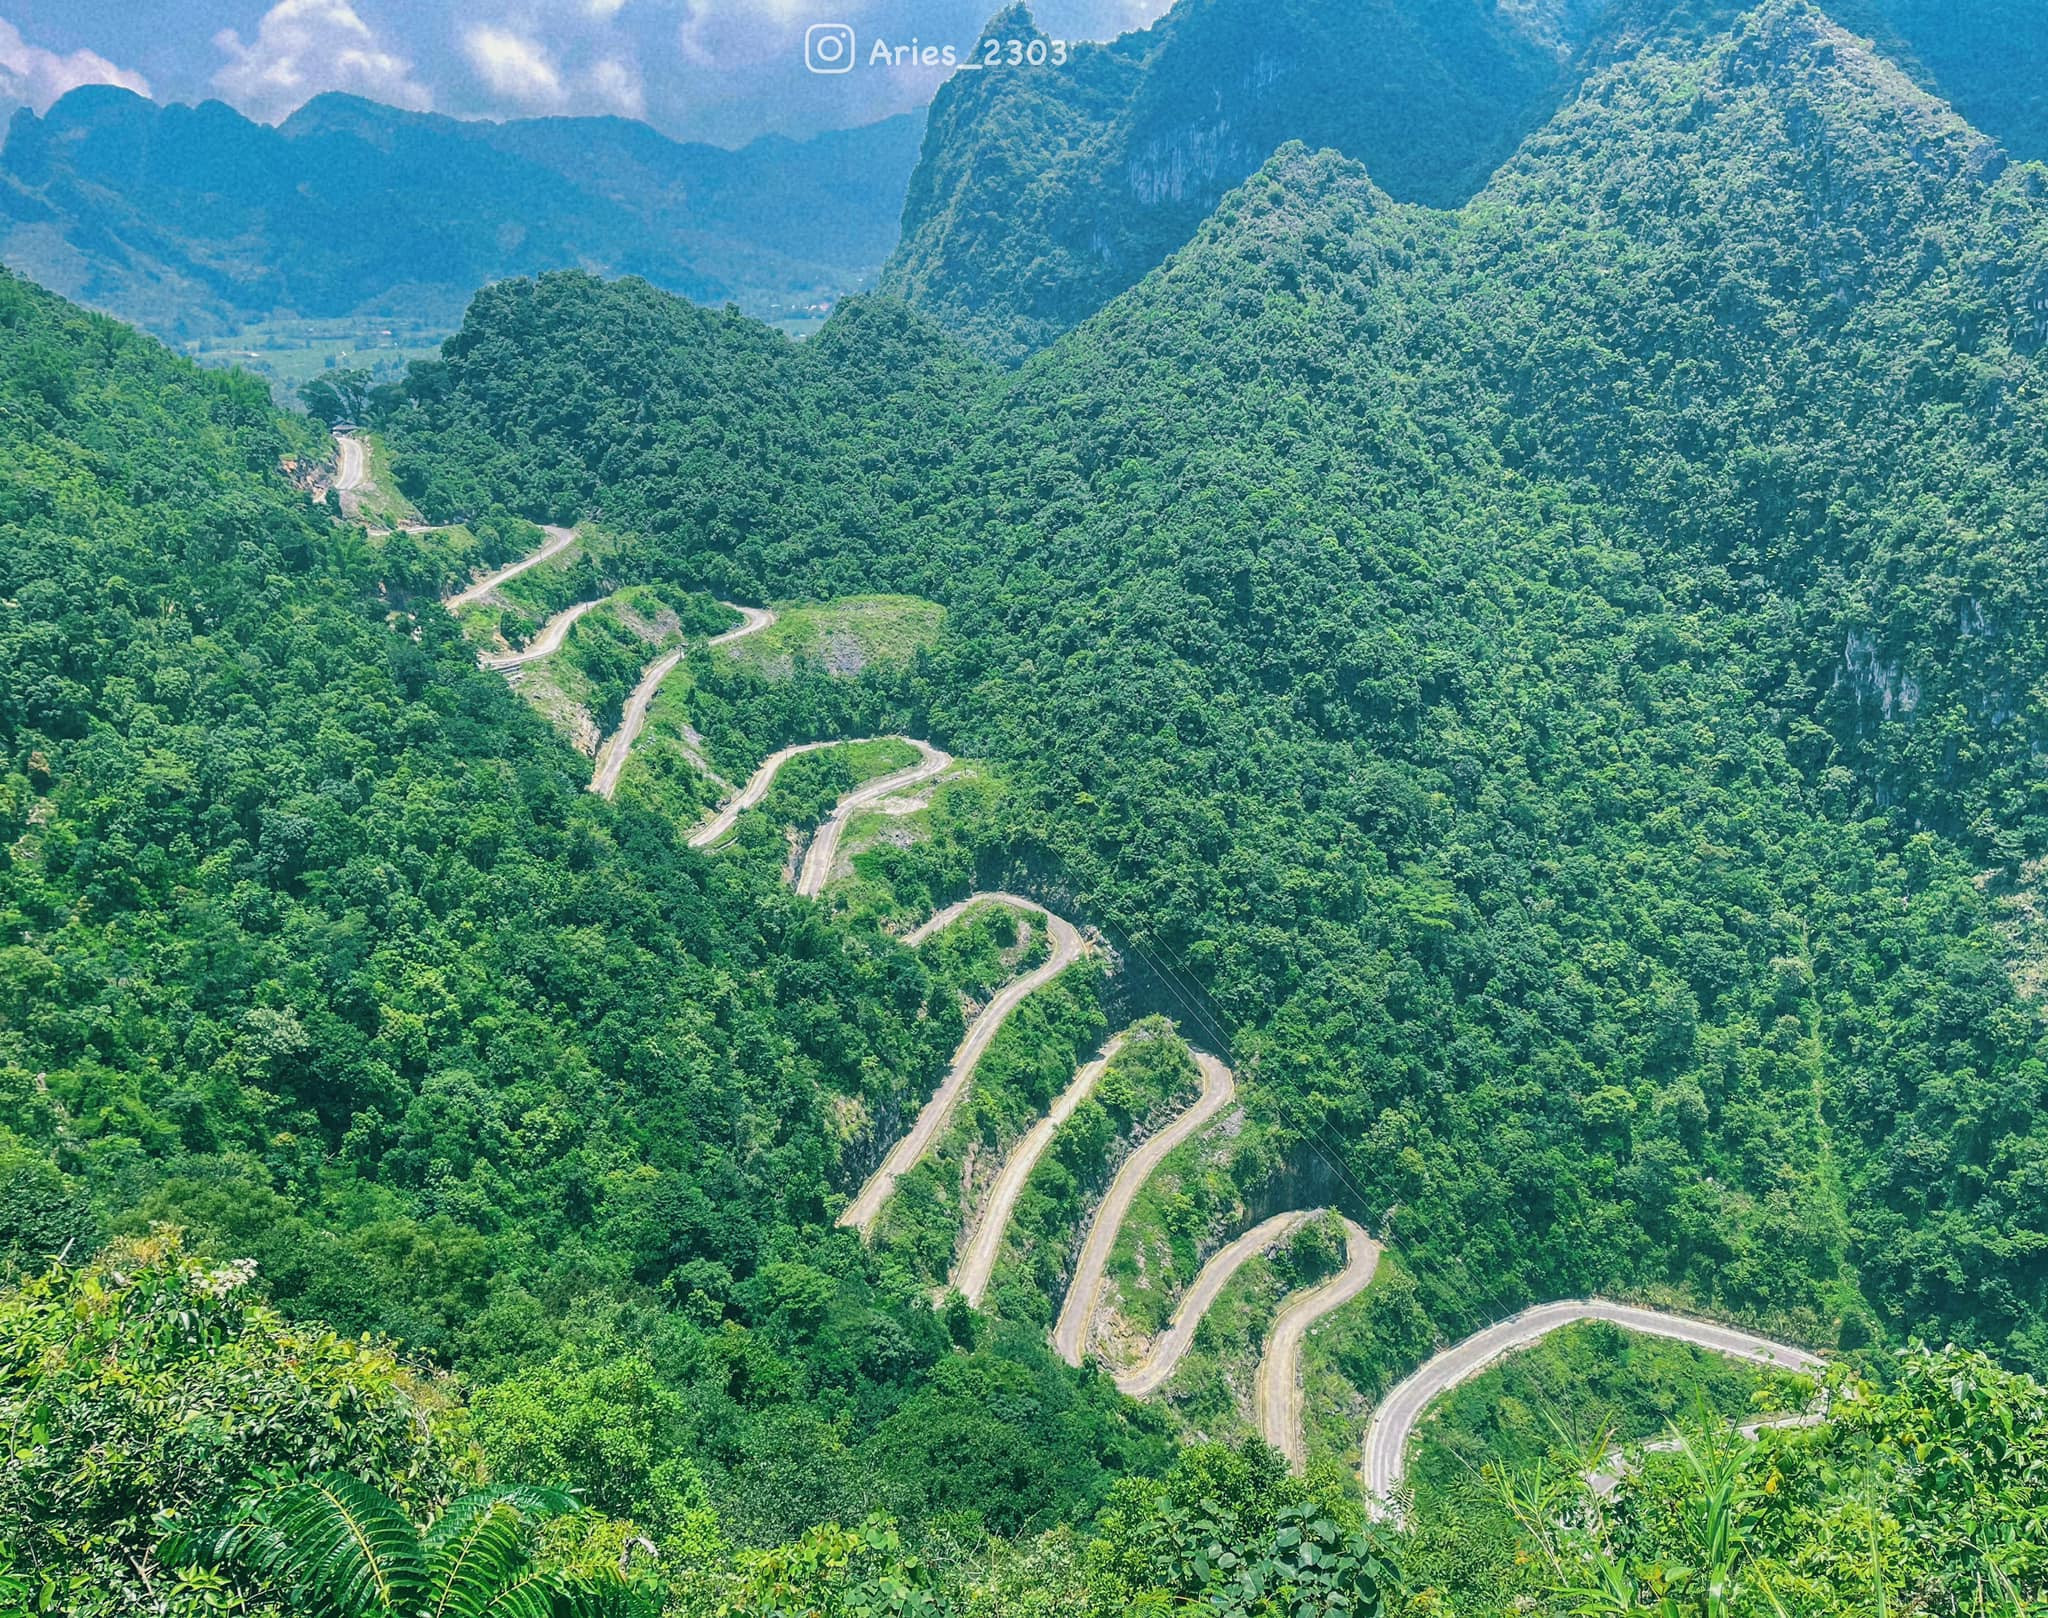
[828, 47]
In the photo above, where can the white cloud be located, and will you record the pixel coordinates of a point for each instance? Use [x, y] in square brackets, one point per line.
[514, 67]
[616, 85]
[604, 10]
[728, 34]
[31, 74]
[303, 47]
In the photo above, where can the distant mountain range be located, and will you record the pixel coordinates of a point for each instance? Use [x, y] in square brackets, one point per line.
[1043, 193]
[1040, 193]
[193, 221]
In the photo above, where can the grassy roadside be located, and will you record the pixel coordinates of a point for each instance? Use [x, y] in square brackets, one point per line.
[1210, 1392]
[841, 638]
[582, 689]
[906, 866]
[1192, 1203]
[378, 499]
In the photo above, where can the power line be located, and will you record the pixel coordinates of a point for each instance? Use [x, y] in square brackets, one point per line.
[1185, 989]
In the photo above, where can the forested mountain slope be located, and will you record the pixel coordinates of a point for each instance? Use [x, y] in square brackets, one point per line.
[1552, 692]
[1044, 192]
[317, 946]
[192, 220]
[1556, 683]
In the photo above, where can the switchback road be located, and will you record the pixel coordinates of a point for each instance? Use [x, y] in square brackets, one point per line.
[1151, 1373]
[978, 1258]
[823, 853]
[1067, 947]
[722, 823]
[545, 644]
[1077, 1312]
[1277, 1396]
[611, 759]
[1393, 1423]
[559, 540]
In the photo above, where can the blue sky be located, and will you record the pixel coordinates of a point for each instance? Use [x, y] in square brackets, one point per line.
[723, 70]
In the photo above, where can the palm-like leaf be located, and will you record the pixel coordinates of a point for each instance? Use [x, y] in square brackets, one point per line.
[476, 1551]
[343, 1550]
[344, 1545]
[471, 1566]
[533, 1504]
[537, 1594]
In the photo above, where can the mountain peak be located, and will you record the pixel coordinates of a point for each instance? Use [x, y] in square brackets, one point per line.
[336, 112]
[98, 106]
[1014, 21]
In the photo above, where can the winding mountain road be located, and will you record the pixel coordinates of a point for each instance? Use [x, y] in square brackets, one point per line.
[757, 619]
[1084, 1291]
[1067, 947]
[1393, 1423]
[940, 920]
[611, 758]
[352, 463]
[978, 1257]
[757, 788]
[1151, 1373]
[545, 644]
[1278, 1392]
[823, 853]
[559, 540]
[1277, 1395]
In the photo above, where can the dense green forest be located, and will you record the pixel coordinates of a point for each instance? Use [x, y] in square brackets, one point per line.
[1043, 192]
[1549, 685]
[318, 949]
[1551, 691]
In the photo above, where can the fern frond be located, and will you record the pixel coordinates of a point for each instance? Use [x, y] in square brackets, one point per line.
[534, 1594]
[345, 1544]
[531, 1503]
[467, 1568]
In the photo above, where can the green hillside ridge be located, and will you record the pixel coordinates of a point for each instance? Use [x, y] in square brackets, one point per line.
[1550, 691]
[1040, 196]
[1475, 665]
[319, 948]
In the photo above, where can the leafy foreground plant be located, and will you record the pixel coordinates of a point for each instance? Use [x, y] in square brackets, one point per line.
[340, 1549]
[1927, 1496]
[1709, 1563]
[152, 1389]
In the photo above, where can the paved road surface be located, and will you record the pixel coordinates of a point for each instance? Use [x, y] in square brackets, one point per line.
[720, 824]
[1077, 1313]
[1067, 947]
[978, 1259]
[953, 912]
[545, 644]
[1277, 1395]
[611, 759]
[559, 540]
[352, 463]
[1168, 1349]
[757, 619]
[1386, 1439]
[823, 853]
